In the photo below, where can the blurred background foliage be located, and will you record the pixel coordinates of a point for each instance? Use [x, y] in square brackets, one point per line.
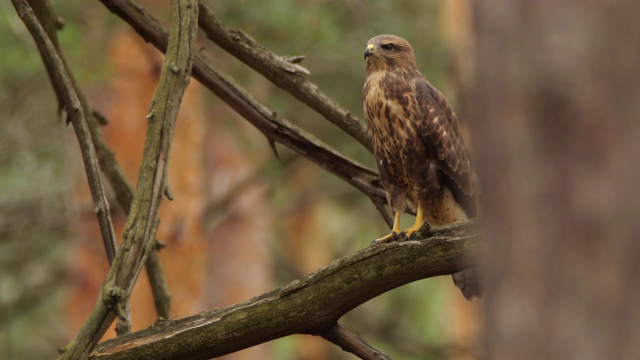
[226, 179]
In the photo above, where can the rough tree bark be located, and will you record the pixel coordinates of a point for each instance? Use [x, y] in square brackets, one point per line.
[557, 114]
[139, 233]
[311, 305]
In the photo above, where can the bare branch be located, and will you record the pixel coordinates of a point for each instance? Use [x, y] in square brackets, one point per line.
[308, 306]
[273, 126]
[282, 72]
[75, 114]
[278, 129]
[352, 343]
[108, 164]
[142, 223]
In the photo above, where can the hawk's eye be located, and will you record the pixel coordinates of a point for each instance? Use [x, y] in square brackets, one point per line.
[387, 47]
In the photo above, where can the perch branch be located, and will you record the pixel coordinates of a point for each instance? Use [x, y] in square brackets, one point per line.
[285, 74]
[307, 306]
[142, 223]
[274, 127]
[108, 163]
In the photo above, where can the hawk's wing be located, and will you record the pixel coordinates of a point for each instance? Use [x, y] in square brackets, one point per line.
[441, 134]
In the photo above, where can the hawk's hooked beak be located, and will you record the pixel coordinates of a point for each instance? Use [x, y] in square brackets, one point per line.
[369, 51]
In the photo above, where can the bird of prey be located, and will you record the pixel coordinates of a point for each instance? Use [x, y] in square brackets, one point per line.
[417, 145]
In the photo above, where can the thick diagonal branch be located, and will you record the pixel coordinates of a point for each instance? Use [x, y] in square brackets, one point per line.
[142, 223]
[308, 306]
[288, 76]
[275, 128]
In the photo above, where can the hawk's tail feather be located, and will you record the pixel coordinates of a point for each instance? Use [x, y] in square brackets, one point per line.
[469, 282]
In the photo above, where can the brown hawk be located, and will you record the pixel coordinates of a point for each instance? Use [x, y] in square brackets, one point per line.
[417, 145]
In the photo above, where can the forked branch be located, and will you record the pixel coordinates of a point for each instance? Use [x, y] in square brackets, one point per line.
[123, 191]
[139, 233]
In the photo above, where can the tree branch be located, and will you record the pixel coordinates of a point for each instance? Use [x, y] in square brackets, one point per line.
[50, 22]
[308, 306]
[288, 76]
[75, 114]
[142, 223]
[108, 164]
[352, 343]
[274, 127]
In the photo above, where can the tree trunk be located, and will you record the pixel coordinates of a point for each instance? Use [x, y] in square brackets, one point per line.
[557, 129]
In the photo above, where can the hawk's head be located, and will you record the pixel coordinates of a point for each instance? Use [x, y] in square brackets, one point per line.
[385, 52]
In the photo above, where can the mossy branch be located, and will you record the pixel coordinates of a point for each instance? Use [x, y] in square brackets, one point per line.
[138, 235]
[311, 305]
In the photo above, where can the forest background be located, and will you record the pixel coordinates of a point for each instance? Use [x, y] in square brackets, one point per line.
[548, 91]
[243, 222]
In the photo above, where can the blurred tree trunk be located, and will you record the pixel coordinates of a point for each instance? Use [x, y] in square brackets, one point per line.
[307, 245]
[465, 325]
[557, 124]
[237, 224]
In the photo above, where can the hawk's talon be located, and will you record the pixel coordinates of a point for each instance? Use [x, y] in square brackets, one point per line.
[394, 236]
[402, 236]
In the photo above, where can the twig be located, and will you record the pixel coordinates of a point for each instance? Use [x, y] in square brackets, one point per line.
[75, 114]
[108, 164]
[283, 73]
[142, 224]
[352, 343]
[307, 306]
[159, 287]
[51, 23]
[274, 127]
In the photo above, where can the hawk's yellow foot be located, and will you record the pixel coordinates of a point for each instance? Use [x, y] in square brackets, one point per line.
[412, 230]
[418, 224]
[395, 235]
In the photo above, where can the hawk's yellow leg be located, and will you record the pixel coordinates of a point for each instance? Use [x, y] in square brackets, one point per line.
[418, 224]
[394, 232]
[397, 234]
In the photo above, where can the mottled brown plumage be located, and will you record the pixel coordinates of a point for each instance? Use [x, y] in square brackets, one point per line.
[417, 144]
